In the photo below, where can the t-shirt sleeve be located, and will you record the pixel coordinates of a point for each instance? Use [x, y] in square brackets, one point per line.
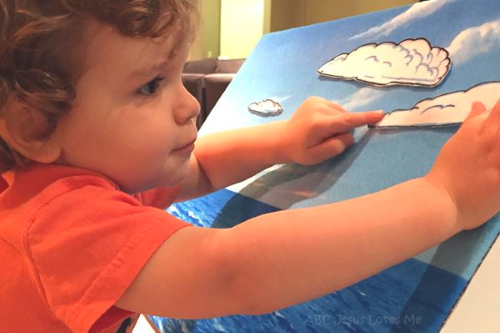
[87, 245]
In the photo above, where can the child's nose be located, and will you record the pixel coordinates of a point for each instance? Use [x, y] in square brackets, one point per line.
[187, 108]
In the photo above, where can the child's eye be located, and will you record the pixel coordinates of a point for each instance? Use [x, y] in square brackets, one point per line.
[151, 87]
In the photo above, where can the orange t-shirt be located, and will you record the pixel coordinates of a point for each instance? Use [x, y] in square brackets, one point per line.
[71, 243]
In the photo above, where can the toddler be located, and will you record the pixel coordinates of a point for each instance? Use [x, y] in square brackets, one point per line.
[98, 137]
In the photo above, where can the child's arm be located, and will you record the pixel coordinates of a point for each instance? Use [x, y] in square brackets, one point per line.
[284, 258]
[317, 131]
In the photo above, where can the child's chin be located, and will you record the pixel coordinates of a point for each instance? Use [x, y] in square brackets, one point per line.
[176, 179]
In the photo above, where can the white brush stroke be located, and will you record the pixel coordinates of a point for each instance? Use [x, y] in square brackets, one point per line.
[444, 110]
[281, 99]
[415, 12]
[475, 41]
[361, 98]
[413, 62]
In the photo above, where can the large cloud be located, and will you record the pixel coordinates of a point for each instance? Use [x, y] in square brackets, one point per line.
[475, 41]
[412, 62]
[415, 12]
[443, 110]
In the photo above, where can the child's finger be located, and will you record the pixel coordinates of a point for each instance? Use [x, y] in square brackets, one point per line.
[495, 113]
[337, 107]
[477, 109]
[348, 121]
[332, 147]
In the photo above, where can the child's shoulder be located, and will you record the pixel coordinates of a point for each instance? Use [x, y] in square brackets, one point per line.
[77, 240]
[36, 190]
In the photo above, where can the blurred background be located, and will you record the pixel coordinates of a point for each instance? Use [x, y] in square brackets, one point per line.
[230, 29]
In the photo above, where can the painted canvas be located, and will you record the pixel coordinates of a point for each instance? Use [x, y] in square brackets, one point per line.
[457, 47]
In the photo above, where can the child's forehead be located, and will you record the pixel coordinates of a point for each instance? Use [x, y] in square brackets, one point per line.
[104, 47]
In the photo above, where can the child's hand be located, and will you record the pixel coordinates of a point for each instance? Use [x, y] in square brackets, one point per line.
[468, 167]
[319, 130]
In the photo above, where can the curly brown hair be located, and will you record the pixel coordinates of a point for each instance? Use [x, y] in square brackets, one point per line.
[36, 64]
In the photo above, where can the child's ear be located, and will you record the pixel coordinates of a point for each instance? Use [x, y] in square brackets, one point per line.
[14, 129]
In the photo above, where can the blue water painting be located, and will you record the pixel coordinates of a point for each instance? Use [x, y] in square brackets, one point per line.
[410, 297]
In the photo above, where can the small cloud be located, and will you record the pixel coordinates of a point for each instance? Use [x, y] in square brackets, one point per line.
[475, 41]
[448, 109]
[417, 11]
[266, 108]
[412, 62]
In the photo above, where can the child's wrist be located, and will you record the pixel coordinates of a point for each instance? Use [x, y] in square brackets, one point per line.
[443, 195]
[279, 144]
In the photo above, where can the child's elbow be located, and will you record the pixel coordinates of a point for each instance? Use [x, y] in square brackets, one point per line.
[242, 289]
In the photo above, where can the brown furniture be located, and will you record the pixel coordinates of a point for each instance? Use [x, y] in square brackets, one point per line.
[207, 80]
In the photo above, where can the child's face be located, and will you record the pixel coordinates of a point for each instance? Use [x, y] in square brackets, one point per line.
[128, 126]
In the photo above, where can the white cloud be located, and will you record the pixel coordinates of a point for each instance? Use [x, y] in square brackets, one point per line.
[412, 62]
[443, 110]
[475, 41]
[267, 108]
[417, 11]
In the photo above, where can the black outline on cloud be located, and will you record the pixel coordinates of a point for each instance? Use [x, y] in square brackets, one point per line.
[396, 81]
